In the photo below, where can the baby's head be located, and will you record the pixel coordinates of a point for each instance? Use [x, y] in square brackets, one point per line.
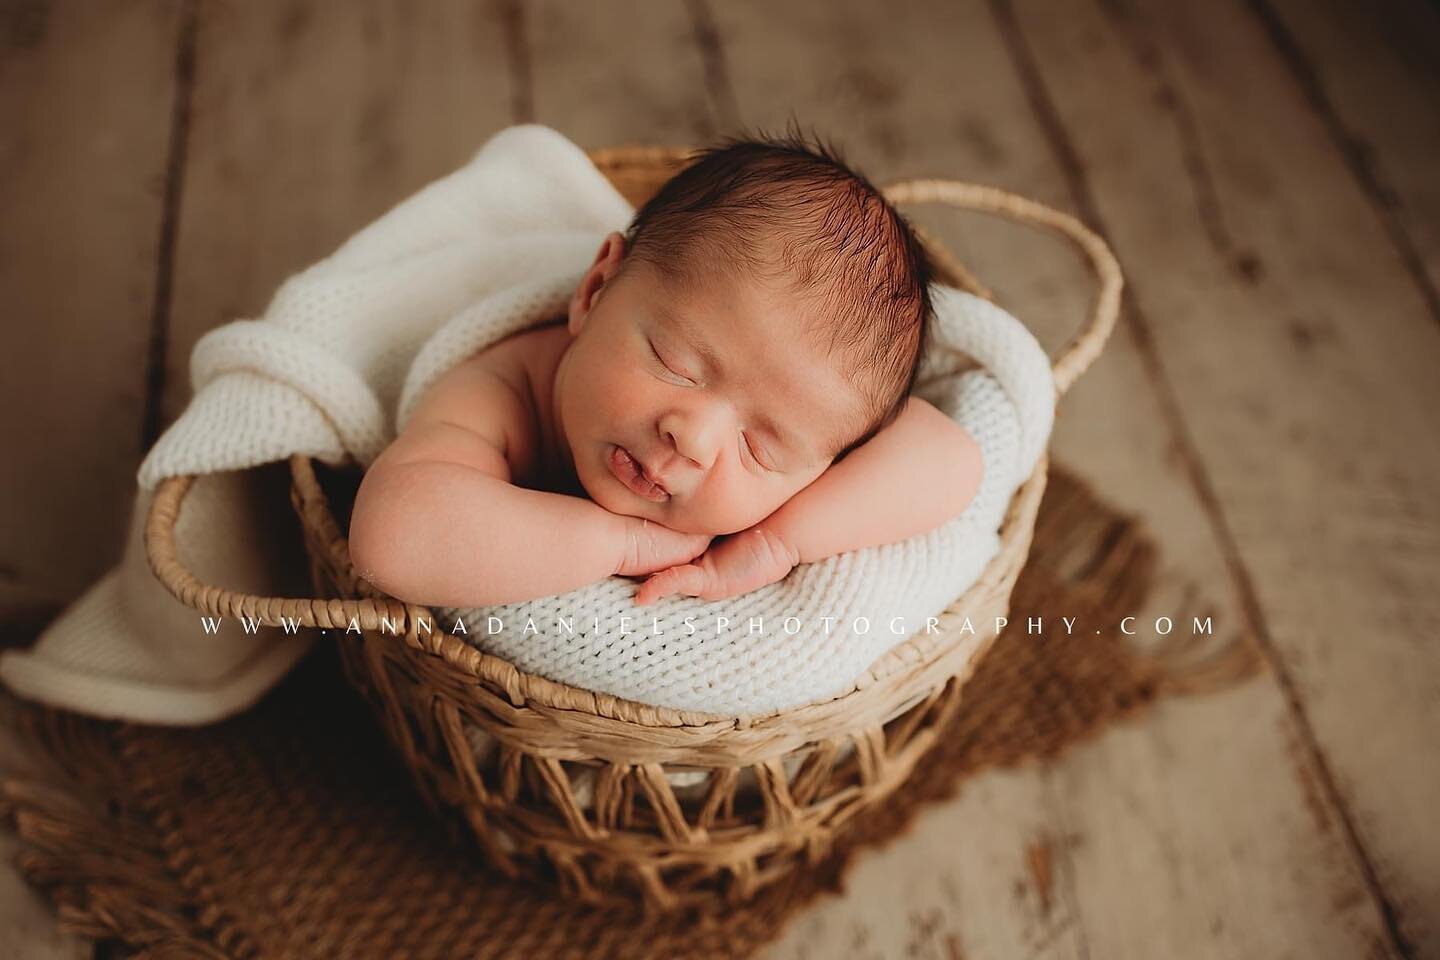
[764, 315]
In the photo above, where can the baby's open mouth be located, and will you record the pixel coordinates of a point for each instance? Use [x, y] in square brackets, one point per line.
[629, 472]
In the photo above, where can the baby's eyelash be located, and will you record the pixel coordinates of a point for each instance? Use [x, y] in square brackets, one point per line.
[753, 455]
[661, 360]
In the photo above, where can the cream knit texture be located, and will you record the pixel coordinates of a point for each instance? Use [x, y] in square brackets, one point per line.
[333, 368]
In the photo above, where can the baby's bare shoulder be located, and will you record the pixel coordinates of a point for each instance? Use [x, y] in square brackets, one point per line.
[524, 358]
[501, 391]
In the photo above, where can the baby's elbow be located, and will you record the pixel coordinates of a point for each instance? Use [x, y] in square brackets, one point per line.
[374, 545]
[368, 558]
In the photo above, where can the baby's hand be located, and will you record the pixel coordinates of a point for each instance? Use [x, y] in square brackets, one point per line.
[652, 546]
[742, 562]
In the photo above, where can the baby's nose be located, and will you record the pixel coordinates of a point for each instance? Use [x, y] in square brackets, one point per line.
[697, 438]
[686, 445]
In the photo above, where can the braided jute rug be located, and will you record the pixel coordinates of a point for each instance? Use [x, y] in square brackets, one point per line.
[291, 832]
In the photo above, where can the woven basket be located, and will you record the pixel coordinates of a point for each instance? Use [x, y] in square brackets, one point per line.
[613, 798]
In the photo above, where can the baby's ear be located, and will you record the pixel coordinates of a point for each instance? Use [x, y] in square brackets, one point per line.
[612, 251]
[580, 305]
[583, 300]
[607, 261]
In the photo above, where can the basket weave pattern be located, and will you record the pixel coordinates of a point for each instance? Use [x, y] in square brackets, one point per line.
[613, 798]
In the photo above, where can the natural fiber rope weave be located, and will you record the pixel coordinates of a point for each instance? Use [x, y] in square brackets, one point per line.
[680, 807]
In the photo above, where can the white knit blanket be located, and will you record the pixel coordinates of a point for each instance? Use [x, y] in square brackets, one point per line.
[333, 370]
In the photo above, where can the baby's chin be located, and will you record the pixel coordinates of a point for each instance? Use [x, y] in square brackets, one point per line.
[604, 492]
[676, 520]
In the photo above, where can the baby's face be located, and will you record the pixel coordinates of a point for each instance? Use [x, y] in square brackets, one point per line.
[716, 394]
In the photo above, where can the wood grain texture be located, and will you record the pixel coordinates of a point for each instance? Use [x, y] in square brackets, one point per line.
[619, 73]
[1370, 74]
[1304, 383]
[985, 875]
[86, 96]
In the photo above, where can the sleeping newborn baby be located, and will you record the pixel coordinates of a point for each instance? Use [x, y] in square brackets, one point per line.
[728, 397]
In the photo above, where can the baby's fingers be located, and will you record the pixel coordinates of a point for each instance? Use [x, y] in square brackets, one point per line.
[686, 579]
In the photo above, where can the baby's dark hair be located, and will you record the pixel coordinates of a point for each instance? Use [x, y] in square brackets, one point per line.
[789, 207]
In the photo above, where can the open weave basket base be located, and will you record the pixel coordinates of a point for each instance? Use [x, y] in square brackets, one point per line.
[290, 832]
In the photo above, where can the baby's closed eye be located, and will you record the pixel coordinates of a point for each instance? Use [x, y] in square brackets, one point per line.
[758, 453]
[667, 366]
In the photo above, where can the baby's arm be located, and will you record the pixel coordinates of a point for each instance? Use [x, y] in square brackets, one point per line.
[916, 474]
[437, 520]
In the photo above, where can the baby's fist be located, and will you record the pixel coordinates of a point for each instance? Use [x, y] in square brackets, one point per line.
[742, 562]
[652, 546]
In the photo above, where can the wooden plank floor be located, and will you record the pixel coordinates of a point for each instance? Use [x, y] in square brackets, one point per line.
[1266, 172]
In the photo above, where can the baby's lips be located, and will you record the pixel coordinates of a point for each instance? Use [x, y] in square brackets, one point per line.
[632, 473]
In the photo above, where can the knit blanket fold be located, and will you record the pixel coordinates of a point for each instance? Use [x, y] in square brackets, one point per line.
[333, 369]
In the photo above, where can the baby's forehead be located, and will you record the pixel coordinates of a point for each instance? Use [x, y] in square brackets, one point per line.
[746, 312]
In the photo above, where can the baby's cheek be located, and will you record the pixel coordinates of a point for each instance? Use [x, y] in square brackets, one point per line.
[622, 394]
[598, 389]
[736, 504]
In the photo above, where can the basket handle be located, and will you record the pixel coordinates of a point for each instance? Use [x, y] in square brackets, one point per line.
[1086, 345]
[165, 562]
